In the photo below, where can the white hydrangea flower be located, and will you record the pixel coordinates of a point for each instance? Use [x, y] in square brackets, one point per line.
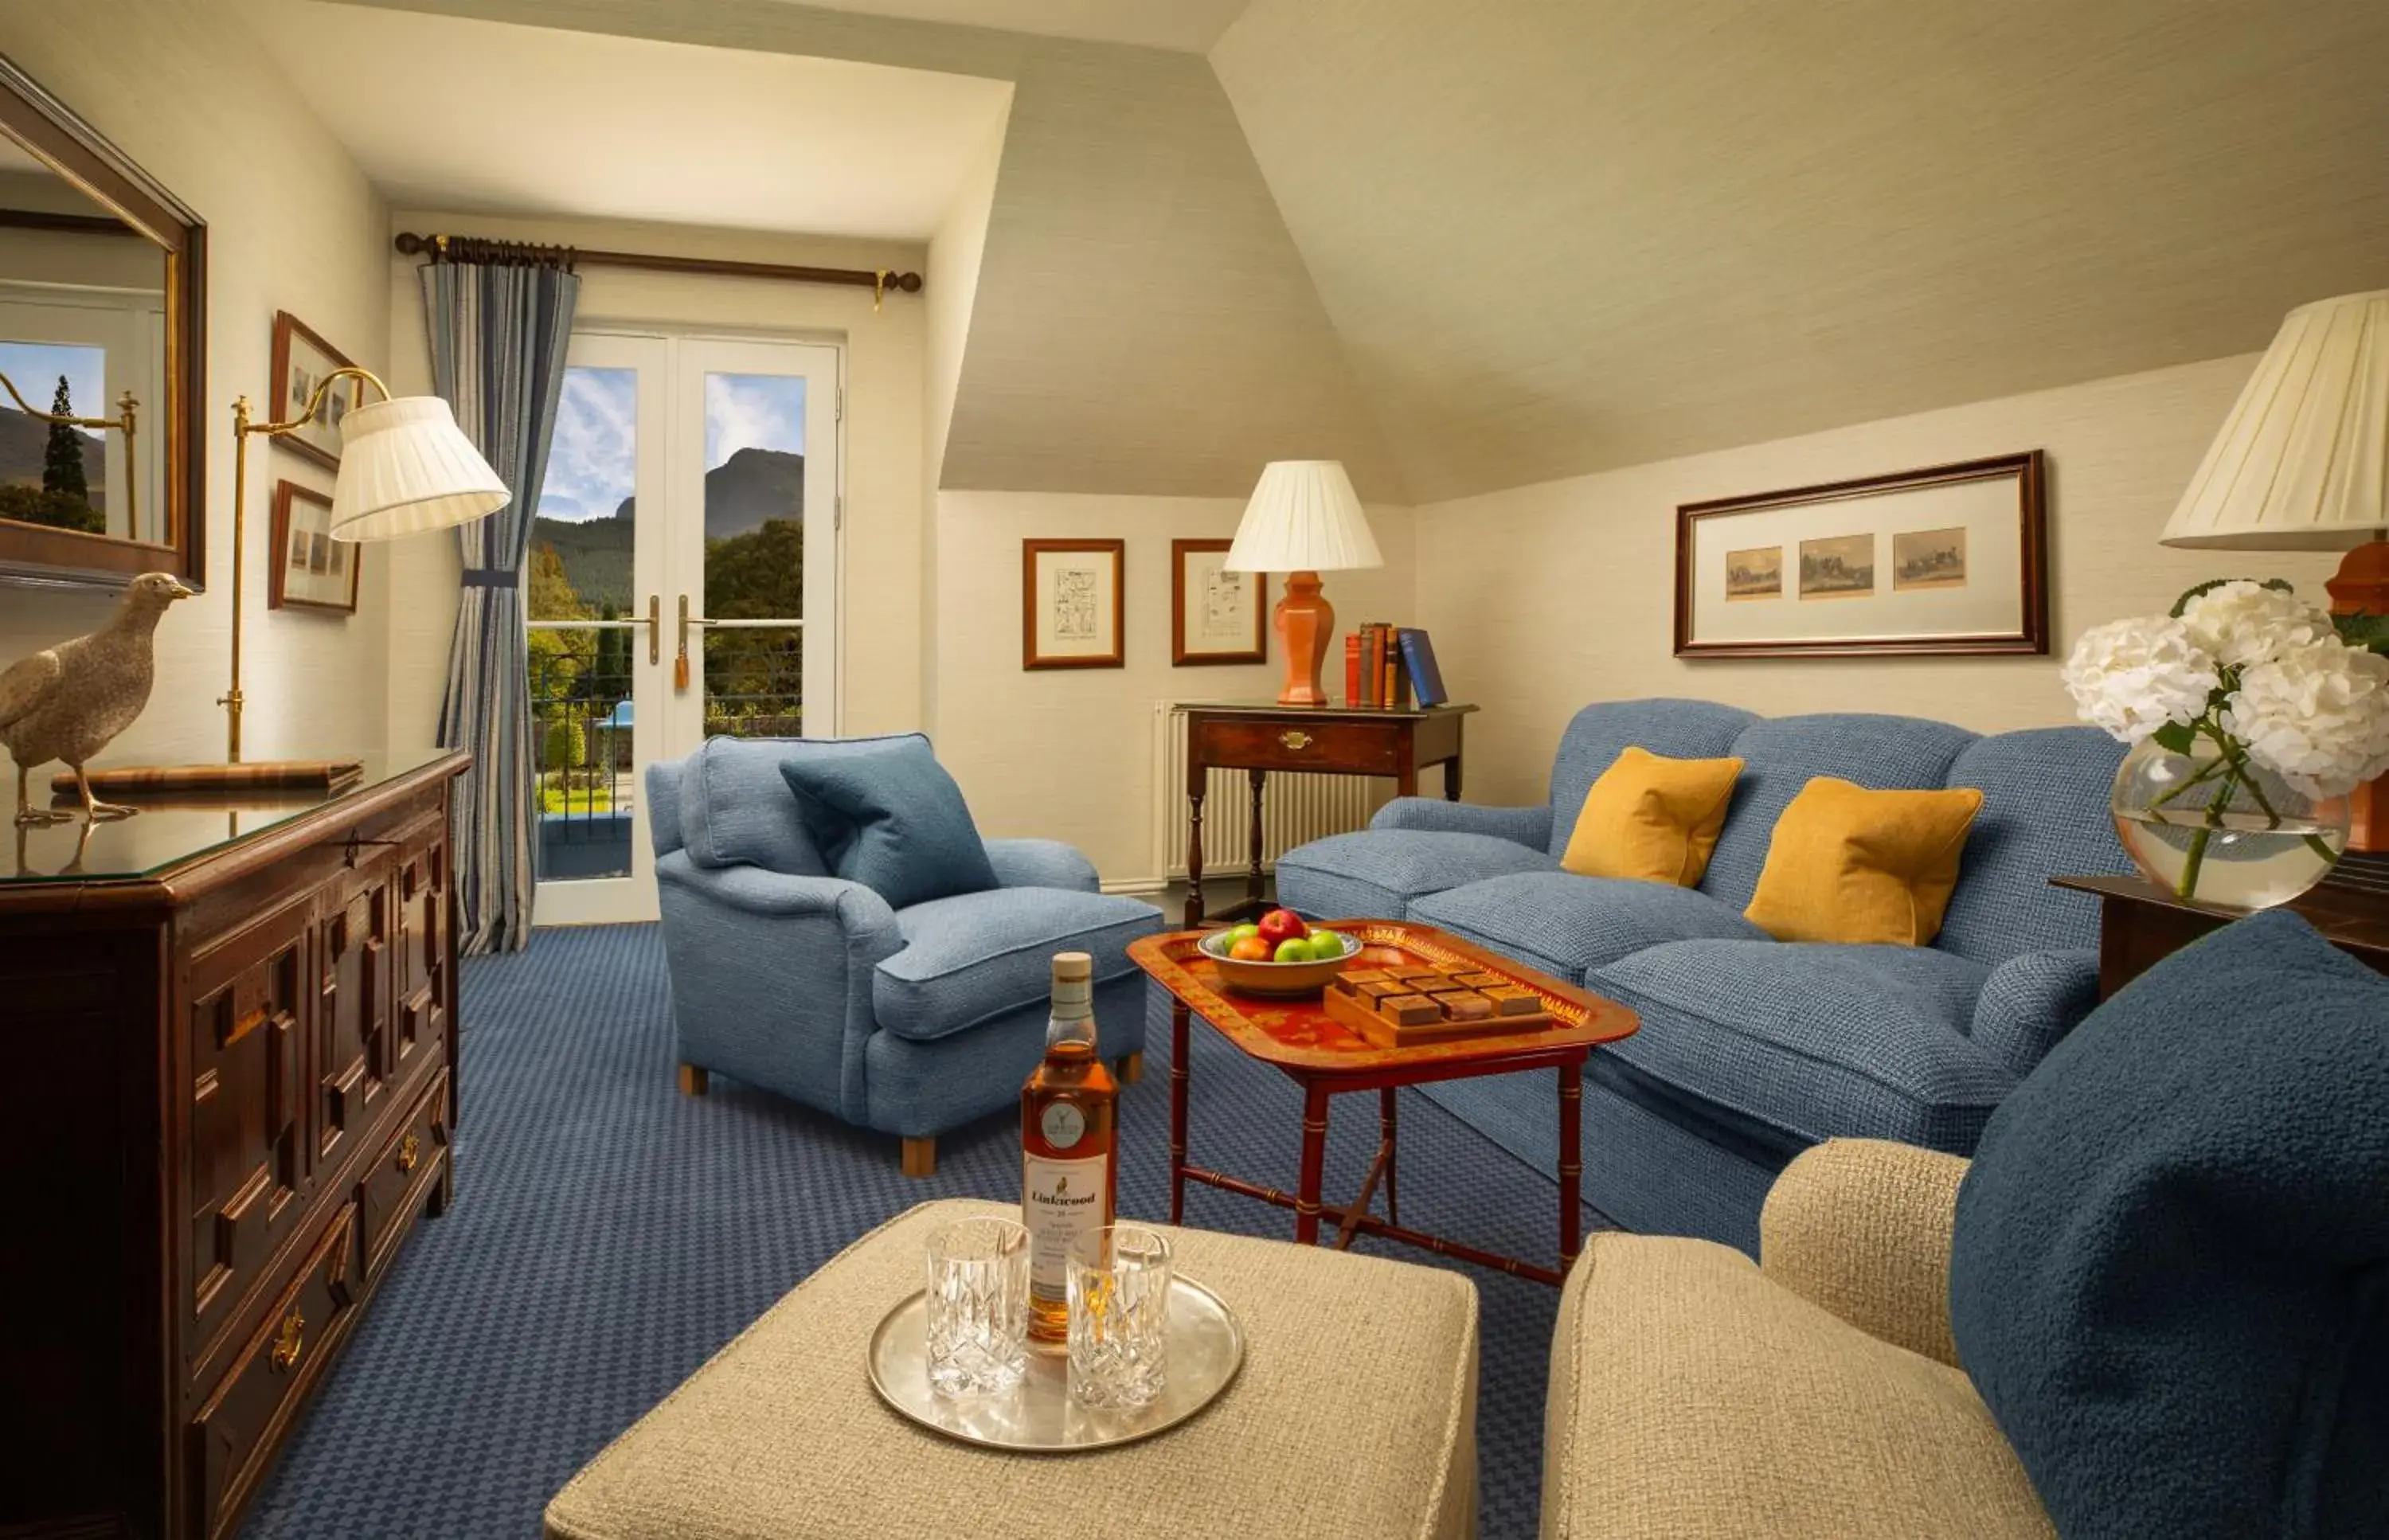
[2242, 622]
[2318, 715]
[2132, 676]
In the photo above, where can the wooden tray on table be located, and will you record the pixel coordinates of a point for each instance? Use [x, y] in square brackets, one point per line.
[1339, 1028]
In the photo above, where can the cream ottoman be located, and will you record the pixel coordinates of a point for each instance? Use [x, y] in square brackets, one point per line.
[1354, 1416]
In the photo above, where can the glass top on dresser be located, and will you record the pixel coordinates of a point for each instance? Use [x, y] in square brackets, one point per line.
[169, 831]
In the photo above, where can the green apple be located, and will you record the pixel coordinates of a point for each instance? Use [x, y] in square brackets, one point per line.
[1326, 946]
[1293, 948]
[1240, 932]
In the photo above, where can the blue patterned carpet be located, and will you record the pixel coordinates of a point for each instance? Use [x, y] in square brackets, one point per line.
[609, 1234]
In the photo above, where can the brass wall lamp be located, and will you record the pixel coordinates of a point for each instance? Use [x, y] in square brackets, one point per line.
[124, 422]
[405, 468]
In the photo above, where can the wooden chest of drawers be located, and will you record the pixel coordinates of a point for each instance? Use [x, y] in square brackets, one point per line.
[229, 1045]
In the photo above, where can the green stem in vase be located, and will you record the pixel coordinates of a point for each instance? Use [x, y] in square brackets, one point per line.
[2205, 773]
[2187, 887]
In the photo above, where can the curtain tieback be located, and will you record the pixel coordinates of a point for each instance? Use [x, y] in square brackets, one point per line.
[490, 577]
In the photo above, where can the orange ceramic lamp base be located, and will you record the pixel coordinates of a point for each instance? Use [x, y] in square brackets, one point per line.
[1306, 623]
[2361, 587]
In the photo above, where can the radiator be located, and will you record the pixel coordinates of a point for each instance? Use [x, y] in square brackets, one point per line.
[1295, 807]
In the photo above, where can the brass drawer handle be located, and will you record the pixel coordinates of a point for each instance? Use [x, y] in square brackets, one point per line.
[1294, 738]
[410, 1150]
[288, 1346]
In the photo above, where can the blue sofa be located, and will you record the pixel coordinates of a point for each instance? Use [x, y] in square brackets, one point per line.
[1751, 1049]
[911, 1021]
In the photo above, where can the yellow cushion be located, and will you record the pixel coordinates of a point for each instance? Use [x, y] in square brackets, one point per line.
[1652, 819]
[1848, 864]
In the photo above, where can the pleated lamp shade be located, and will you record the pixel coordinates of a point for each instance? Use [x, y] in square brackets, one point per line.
[405, 468]
[1304, 517]
[2303, 462]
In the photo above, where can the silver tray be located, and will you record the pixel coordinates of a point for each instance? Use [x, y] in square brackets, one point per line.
[1207, 1348]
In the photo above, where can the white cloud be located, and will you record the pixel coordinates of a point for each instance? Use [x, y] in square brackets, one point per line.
[593, 463]
[752, 412]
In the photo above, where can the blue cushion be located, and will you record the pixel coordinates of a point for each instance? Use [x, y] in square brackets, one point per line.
[883, 812]
[1813, 1041]
[2046, 798]
[1564, 925]
[973, 957]
[735, 808]
[2170, 1279]
[919, 1089]
[1375, 875]
[1674, 728]
[1783, 755]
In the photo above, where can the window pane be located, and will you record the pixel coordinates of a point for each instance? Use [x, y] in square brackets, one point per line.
[581, 534]
[49, 472]
[754, 497]
[579, 569]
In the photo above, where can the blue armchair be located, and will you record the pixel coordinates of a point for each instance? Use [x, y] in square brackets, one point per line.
[911, 1021]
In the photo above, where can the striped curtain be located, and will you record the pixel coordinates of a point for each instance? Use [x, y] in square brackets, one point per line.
[499, 333]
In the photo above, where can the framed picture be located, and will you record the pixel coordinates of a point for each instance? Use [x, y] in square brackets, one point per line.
[301, 360]
[1072, 604]
[1216, 615]
[312, 570]
[1949, 559]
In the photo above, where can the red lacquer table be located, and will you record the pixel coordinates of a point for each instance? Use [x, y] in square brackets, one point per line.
[1327, 1059]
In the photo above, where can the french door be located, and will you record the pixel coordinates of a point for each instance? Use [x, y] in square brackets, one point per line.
[681, 584]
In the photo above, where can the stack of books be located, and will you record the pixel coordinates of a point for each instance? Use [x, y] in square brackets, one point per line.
[1386, 666]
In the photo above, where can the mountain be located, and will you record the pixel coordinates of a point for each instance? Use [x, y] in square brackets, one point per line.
[750, 487]
[22, 439]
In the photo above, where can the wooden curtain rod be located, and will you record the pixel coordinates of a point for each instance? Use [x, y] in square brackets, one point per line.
[473, 248]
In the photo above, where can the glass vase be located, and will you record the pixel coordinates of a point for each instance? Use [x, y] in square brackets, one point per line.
[2213, 827]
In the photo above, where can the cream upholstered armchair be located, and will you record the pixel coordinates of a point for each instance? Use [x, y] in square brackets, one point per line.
[1815, 1394]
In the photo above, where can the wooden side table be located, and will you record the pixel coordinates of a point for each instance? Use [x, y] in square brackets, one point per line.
[2140, 923]
[1321, 740]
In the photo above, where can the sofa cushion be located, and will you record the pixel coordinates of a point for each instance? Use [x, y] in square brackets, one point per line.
[1377, 874]
[2171, 1273]
[1782, 756]
[735, 810]
[1678, 729]
[1691, 1396]
[1812, 1040]
[1564, 925]
[975, 956]
[1651, 817]
[1848, 864]
[885, 814]
[2045, 811]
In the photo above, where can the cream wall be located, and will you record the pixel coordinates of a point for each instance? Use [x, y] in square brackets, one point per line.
[1067, 753]
[880, 621]
[1545, 598]
[292, 225]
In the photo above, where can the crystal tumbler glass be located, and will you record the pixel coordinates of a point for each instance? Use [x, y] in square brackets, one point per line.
[979, 1307]
[1119, 1316]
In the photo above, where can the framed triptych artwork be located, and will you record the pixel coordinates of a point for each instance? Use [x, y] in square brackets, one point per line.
[1072, 600]
[311, 570]
[1216, 615]
[1951, 559]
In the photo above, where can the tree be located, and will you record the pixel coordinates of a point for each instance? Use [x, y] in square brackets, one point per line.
[755, 678]
[62, 456]
[610, 680]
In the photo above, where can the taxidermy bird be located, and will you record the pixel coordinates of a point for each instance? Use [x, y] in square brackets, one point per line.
[71, 701]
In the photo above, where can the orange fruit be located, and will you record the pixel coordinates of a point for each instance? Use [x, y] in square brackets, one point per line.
[1252, 948]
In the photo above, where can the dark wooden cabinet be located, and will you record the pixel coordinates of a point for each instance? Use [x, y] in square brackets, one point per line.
[230, 1036]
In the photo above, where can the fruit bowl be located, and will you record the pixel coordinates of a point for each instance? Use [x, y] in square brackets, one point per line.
[1278, 978]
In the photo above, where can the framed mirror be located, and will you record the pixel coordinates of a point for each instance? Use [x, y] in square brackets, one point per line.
[102, 323]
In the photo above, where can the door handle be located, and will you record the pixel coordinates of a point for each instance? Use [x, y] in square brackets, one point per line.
[655, 629]
[680, 664]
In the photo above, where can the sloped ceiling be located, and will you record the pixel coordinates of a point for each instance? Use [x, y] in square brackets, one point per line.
[1143, 324]
[1561, 235]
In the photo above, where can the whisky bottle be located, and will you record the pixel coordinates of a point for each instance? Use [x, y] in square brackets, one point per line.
[1069, 1170]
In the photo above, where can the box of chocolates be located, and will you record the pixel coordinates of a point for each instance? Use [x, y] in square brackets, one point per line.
[1397, 1006]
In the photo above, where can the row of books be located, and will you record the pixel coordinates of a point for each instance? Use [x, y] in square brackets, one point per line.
[1390, 665]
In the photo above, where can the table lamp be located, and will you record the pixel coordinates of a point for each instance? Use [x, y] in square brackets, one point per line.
[1304, 519]
[2303, 465]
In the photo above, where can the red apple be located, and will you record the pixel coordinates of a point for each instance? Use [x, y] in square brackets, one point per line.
[1281, 924]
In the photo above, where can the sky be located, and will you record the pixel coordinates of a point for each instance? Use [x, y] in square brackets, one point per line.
[593, 465]
[35, 368]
